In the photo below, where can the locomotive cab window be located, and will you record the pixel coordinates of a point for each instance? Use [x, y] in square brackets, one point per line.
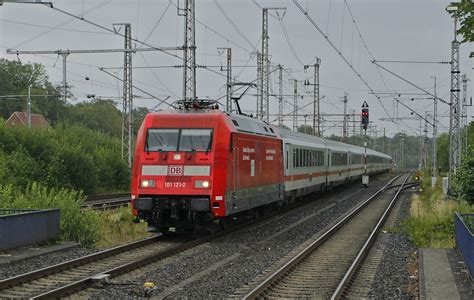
[162, 140]
[166, 139]
[195, 140]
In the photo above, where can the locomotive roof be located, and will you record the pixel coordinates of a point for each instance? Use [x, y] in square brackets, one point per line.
[247, 124]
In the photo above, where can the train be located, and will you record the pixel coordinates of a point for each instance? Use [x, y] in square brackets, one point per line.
[196, 167]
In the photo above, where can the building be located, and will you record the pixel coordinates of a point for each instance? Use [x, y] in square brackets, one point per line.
[21, 119]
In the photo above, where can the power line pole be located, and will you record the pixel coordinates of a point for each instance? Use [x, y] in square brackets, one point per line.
[265, 66]
[425, 138]
[383, 141]
[127, 109]
[229, 86]
[189, 58]
[455, 111]
[354, 122]
[295, 106]
[260, 84]
[280, 95]
[64, 55]
[264, 104]
[316, 97]
[344, 124]
[420, 163]
[464, 124]
[435, 129]
[29, 106]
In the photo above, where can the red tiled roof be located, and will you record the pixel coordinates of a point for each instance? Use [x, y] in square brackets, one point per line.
[21, 118]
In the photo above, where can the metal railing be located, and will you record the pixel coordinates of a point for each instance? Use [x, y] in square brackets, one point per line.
[464, 225]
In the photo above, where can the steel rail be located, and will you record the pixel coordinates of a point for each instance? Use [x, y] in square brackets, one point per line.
[107, 201]
[367, 245]
[131, 266]
[257, 291]
[105, 197]
[33, 275]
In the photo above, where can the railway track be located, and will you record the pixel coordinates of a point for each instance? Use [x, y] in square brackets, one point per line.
[63, 278]
[325, 267]
[73, 276]
[79, 274]
[107, 201]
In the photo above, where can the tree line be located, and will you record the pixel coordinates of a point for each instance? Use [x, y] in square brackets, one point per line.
[80, 150]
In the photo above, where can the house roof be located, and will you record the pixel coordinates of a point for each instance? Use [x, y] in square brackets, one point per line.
[37, 120]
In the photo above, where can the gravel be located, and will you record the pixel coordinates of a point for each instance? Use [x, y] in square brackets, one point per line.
[397, 275]
[42, 261]
[218, 269]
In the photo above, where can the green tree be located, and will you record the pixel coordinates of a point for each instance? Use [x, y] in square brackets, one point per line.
[464, 14]
[16, 78]
[465, 177]
[306, 129]
[99, 115]
[138, 114]
[442, 152]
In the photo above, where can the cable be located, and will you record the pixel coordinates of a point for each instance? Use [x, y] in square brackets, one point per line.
[158, 21]
[340, 54]
[236, 28]
[156, 77]
[285, 33]
[103, 3]
[55, 28]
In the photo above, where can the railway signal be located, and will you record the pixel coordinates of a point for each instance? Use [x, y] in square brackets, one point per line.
[365, 115]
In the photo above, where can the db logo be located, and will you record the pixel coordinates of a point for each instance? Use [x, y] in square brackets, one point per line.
[175, 170]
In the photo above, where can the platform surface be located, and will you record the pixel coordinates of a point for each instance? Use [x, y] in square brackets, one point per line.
[438, 278]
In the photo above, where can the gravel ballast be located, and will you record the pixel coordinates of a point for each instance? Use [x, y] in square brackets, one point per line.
[218, 269]
[397, 275]
[42, 261]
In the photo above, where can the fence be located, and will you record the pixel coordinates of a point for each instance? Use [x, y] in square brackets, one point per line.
[22, 227]
[464, 225]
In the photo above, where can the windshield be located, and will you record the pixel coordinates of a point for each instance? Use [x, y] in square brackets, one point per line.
[195, 140]
[162, 140]
[178, 140]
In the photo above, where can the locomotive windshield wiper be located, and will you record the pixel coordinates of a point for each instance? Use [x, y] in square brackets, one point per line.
[147, 146]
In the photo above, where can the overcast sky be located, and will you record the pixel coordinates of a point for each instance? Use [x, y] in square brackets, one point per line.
[415, 30]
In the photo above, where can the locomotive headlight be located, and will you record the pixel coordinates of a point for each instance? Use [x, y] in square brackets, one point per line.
[202, 184]
[147, 183]
[177, 156]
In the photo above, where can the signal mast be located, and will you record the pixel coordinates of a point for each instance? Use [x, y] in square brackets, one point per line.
[365, 124]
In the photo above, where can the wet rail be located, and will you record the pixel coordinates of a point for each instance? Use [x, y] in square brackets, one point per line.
[317, 270]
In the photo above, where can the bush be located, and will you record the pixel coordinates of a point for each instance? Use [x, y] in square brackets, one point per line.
[464, 180]
[77, 224]
[71, 157]
[431, 223]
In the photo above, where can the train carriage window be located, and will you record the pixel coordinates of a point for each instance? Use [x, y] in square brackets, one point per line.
[195, 140]
[294, 158]
[162, 140]
[306, 157]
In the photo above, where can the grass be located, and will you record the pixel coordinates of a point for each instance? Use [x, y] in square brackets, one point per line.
[431, 221]
[116, 227]
[96, 229]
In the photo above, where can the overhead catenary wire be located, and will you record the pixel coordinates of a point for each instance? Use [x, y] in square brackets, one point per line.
[62, 24]
[54, 28]
[122, 35]
[236, 28]
[287, 38]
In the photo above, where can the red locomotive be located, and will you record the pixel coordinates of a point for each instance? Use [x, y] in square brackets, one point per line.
[194, 167]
